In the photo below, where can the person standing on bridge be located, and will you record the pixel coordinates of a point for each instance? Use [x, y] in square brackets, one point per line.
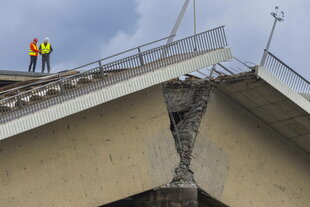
[33, 52]
[46, 49]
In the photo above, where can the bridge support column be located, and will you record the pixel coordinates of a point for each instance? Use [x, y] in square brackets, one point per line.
[177, 197]
[163, 197]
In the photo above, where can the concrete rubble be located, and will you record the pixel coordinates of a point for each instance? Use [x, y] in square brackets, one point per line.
[186, 102]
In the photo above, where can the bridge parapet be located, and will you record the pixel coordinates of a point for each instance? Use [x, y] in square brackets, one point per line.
[287, 75]
[286, 80]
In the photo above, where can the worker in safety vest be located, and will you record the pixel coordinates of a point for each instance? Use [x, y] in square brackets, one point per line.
[46, 49]
[33, 52]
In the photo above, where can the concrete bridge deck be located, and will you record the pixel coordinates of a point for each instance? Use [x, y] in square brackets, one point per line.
[8, 77]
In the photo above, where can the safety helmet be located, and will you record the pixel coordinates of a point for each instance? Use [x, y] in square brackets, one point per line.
[46, 39]
[35, 39]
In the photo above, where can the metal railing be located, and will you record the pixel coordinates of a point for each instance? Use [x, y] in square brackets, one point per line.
[83, 67]
[287, 75]
[101, 76]
[100, 61]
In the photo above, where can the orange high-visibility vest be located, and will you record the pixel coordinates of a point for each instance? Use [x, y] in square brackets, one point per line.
[31, 52]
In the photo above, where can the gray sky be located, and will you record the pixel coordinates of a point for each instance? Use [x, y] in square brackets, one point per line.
[86, 30]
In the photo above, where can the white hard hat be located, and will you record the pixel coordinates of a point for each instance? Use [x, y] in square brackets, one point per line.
[46, 39]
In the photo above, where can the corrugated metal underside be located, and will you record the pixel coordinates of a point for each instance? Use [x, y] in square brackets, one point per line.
[112, 92]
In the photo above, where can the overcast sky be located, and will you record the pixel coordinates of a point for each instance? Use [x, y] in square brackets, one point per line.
[82, 31]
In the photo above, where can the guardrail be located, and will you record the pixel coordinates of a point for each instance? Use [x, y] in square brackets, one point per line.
[91, 64]
[287, 75]
[27, 102]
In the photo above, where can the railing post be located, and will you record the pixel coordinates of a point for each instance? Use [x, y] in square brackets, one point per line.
[140, 56]
[61, 84]
[19, 100]
[100, 67]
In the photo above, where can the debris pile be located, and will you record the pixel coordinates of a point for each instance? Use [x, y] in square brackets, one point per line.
[186, 102]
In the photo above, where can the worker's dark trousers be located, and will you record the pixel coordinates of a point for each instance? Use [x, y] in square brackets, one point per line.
[46, 59]
[33, 61]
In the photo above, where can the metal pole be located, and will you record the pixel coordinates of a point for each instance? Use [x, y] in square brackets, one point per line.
[140, 57]
[276, 19]
[101, 68]
[268, 43]
[272, 31]
[195, 28]
[177, 23]
[212, 70]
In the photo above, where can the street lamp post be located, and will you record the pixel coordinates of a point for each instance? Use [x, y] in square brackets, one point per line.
[277, 18]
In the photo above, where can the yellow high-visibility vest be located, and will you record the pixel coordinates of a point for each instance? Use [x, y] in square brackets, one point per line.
[45, 49]
[31, 52]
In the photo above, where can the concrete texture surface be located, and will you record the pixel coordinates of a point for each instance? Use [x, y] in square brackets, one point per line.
[300, 99]
[272, 107]
[100, 155]
[244, 162]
